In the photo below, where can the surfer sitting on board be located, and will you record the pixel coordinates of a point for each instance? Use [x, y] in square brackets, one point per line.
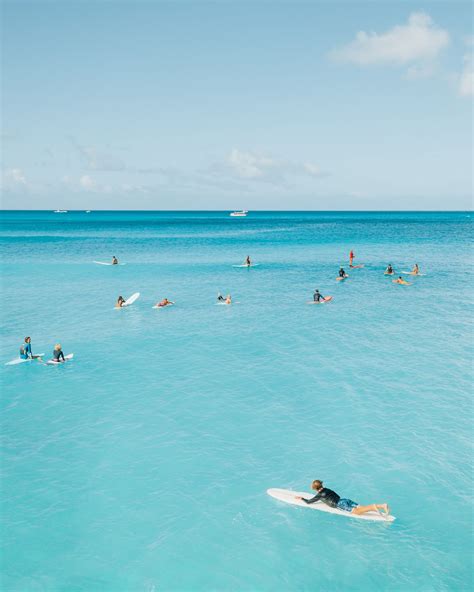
[58, 355]
[25, 350]
[120, 302]
[342, 273]
[331, 499]
[415, 270]
[114, 260]
[389, 270]
[317, 297]
[248, 262]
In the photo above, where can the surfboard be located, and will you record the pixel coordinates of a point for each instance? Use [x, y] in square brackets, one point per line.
[165, 306]
[356, 266]
[22, 360]
[105, 263]
[244, 265]
[129, 301]
[53, 363]
[411, 273]
[341, 279]
[327, 299]
[397, 282]
[287, 496]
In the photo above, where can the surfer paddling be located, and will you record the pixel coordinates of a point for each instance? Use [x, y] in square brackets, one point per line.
[331, 499]
[164, 302]
[401, 281]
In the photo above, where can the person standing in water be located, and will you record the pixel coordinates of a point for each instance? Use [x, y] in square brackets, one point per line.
[317, 297]
[58, 355]
[351, 258]
[333, 500]
[114, 260]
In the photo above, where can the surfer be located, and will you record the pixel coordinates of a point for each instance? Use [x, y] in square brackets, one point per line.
[342, 274]
[318, 297]
[120, 302]
[415, 270]
[331, 499]
[58, 355]
[351, 258]
[164, 302]
[220, 298]
[25, 350]
[389, 270]
[228, 299]
[248, 262]
[114, 260]
[401, 281]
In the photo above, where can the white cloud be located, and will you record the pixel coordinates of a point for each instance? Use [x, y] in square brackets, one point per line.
[466, 80]
[419, 40]
[251, 166]
[87, 182]
[15, 177]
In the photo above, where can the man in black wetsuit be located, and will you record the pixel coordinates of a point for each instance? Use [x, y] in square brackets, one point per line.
[331, 499]
[317, 297]
[342, 273]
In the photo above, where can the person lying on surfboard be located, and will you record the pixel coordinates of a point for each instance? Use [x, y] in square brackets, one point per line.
[164, 302]
[120, 302]
[331, 499]
[389, 270]
[114, 260]
[401, 281]
[342, 273]
[317, 297]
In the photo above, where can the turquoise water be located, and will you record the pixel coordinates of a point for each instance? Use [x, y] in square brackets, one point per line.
[143, 464]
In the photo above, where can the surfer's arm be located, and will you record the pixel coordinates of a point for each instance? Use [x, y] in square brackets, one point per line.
[316, 498]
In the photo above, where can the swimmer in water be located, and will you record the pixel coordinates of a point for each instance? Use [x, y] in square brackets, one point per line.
[351, 258]
[401, 281]
[114, 260]
[333, 500]
[415, 270]
[58, 355]
[342, 273]
[389, 270]
[228, 299]
[317, 297]
[120, 302]
[164, 302]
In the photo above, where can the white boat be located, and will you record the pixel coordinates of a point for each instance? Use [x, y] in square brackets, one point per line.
[60, 211]
[239, 213]
[88, 211]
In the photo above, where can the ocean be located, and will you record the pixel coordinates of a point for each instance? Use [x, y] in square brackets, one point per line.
[143, 464]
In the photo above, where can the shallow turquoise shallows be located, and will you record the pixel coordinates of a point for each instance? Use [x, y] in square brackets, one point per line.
[143, 464]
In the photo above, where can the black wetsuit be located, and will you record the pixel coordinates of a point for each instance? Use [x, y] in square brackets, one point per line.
[318, 297]
[58, 355]
[342, 273]
[327, 496]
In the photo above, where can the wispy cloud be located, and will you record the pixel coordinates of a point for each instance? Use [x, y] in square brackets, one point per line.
[94, 159]
[419, 41]
[13, 179]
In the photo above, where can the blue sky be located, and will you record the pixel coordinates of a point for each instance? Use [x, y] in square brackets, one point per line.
[221, 105]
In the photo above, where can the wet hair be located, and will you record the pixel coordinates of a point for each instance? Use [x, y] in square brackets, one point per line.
[317, 484]
[26, 339]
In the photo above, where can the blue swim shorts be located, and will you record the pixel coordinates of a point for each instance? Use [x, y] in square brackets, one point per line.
[346, 504]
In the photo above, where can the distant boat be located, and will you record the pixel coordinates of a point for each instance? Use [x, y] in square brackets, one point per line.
[88, 211]
[239, 213]
[60, 211]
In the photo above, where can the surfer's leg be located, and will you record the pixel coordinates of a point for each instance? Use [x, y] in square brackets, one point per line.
[371, 508]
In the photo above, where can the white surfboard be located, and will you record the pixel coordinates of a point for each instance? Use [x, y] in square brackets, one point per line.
[105, 263]
[53, 363]
[245, 265]
[227, 303]
[165, 306]
[413, 274]
[131, 300]
[22, 360]
[287, 496]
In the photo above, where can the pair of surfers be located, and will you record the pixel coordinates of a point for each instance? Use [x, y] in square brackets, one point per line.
[165, 302]
[26, 352]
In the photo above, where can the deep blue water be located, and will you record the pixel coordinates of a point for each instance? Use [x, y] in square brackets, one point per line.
[143, 464]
